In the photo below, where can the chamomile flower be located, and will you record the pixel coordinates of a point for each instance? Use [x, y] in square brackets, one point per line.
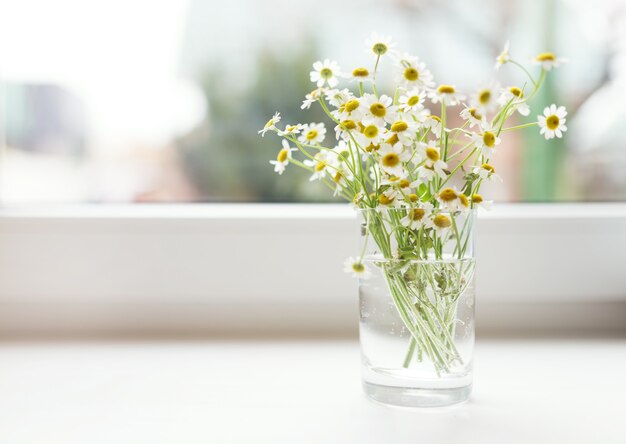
[379, 110]
[325, 73]
[352, 109]
[485, 99]
[504, 56]
[342, 153]
[320, 163]
[433, 165]
[291, 130]
[418, 216]
[371, 134]
[515, 94]
[340, 177]
[552, 123]
[473, 116]
[449, 199]
[404, 130]
[412, 73]
[486, 171]
[447, 95]
[361, 75]
[313, 133]
[441, 223]
[433, 123]
[379, 44]
[479, 202]
[310, 98]
[391, 158]
[357, 199]
[486, 141]
[548, 60]
[283, 158]
[270, 125]
[337, 97]
[343, 129]
[411, 199]
[412, 101]
[389, 198]
[356, 267]
[402, 183]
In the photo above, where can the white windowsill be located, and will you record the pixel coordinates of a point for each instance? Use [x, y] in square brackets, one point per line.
[305, 392]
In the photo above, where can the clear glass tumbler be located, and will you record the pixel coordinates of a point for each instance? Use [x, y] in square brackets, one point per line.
[417, 307]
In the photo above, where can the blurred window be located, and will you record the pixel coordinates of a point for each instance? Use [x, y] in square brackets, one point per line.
[140, 101]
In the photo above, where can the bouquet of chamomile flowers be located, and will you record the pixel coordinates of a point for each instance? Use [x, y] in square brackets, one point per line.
[395, 156]
[390, 150]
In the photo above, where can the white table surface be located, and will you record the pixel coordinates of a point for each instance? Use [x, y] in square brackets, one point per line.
[300, 392]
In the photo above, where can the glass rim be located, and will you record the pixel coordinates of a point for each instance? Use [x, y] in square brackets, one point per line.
[466, 211]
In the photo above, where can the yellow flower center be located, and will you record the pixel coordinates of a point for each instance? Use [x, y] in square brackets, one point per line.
[437, 119]
[463, 199]
[475, 114]
[404, 183]
[447, 194]
[351, 105]
[417, 213]
[432, 153]
[337, 177]
[413, 100]
[412, 197]
[411, 74]
[385, 200]
[269, 123]
[319, 166]
[552, 122]
[360, 72]
[399, 126]
[348, 124]
[390, 160]
[393, 139]
[446, 89]
[488, 167]
[370, 131]
[326, 73]
[379, 48]
[442, 221]
[489, 139]
[516, 91]
[344, 155]
[477, 198]
[378, 109]
[358, 267]
[311, 135]
[371, 147]
[484, 96]
[282, 155]
[546, 57]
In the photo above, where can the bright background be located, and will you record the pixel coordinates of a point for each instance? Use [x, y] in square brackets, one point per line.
[140, 101]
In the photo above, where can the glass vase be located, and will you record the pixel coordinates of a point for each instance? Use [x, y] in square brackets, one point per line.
[417, 306]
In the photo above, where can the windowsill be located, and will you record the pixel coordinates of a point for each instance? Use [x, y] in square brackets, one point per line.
[541, 391]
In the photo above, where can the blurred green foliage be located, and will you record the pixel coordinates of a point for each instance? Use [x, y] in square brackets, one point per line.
[225, 157]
